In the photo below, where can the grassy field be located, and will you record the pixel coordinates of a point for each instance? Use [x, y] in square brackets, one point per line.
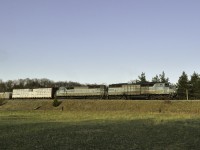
[100, 125]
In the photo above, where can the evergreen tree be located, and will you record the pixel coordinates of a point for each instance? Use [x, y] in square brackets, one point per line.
[142, 78]
[195, 86]
[160, 78]
[155, 79]
[182, 86]
[163, 78]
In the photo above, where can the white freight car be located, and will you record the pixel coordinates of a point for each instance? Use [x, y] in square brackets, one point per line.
[33, 93]
[21, 93]
[5, 95]
[42, 93]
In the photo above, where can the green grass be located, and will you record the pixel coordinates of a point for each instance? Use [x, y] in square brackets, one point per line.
[83, 125]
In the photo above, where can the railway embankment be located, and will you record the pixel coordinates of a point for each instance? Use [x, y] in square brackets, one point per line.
[154, 106]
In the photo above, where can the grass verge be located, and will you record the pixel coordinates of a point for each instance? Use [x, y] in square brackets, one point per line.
[83, 125]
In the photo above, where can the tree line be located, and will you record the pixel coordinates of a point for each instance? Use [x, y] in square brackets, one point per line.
[9, 85]
[158, 78]
[185, 85]
[190, 86]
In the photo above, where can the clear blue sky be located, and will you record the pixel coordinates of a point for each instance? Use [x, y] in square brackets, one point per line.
[98, 41]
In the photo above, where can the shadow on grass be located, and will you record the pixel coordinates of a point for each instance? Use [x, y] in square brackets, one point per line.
[102, 134]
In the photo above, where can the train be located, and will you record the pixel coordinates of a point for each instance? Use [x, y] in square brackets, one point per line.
[5, 95]
[148, 90]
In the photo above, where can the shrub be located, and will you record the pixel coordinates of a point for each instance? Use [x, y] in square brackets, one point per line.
[56, 103]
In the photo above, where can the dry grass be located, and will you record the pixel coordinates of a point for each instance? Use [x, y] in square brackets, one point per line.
[107, 105]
